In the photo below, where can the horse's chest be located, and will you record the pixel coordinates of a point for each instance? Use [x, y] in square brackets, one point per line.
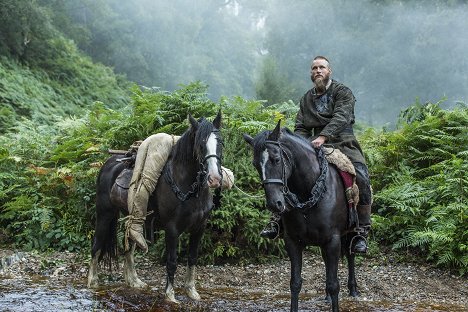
[305, 229]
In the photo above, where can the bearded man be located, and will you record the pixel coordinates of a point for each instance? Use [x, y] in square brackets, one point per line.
[326, 115]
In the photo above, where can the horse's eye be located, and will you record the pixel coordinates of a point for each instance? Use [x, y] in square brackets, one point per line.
[275, 160]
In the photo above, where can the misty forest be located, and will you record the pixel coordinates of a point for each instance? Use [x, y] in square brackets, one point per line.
[80, 77]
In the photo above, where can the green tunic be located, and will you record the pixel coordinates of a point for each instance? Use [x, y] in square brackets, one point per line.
[331, 115]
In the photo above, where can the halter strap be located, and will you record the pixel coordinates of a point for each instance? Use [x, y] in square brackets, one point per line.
[274, 181]
[211, 155]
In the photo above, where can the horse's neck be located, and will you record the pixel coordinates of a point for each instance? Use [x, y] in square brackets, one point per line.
[184, 170]
[305, 171]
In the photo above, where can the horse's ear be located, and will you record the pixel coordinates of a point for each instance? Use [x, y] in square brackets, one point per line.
[275, 134]
[217, 121]
[248, 139]
[193, 122]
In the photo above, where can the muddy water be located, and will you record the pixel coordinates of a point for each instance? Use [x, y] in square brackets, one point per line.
[40, 294]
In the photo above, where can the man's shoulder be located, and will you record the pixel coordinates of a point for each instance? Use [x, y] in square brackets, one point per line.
[338, 87]
[336, 84]
[307, 95]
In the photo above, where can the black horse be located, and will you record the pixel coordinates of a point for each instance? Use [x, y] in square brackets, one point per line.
[181, 202]
[311, 199]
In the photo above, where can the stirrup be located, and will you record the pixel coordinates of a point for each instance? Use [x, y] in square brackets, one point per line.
[351, 243]
[273, 228]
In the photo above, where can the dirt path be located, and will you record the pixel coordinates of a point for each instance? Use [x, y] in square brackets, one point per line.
[385, 285]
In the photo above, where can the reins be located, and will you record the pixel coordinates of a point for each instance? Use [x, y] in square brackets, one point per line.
[318, 189]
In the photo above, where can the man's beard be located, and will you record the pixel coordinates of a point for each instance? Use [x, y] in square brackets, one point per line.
[321, 84]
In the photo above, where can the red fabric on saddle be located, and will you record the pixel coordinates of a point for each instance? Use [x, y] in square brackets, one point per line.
[347, 179]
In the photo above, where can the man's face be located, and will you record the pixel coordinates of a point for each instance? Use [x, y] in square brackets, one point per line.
[320, 70]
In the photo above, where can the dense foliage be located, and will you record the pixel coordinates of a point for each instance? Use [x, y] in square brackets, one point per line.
[48, 177]
[43, 76]
[421, 186]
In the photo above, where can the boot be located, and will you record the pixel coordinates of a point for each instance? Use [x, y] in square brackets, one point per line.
[135, 231]
[362, 232]
[272, 230]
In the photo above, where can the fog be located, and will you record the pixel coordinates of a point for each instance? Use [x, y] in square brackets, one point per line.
[390, 53]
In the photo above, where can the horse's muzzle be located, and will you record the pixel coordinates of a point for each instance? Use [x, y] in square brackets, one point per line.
[214, 181]
[276, 206]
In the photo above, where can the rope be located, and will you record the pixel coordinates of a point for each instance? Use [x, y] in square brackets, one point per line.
[236, 187]
[129, 220]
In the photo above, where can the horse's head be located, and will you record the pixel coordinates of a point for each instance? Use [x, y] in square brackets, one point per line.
[208, 146]
[273, 165]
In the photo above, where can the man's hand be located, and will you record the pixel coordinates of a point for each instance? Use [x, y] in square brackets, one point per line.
[319, 141]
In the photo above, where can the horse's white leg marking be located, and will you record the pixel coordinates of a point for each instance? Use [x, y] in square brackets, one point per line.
[129, 271]
[214, 178]
[190, 283]
[93, 279]
[170, 295]
[263, 163]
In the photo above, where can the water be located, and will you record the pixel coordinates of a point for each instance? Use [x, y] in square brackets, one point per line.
[58, 291]
[40, 295]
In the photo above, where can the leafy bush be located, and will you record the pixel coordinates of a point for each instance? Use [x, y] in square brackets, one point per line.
[420, 183]
[47, 196]
[43, 76]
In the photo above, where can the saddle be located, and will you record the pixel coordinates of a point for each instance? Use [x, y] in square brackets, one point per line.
[347, 172]
[119, 191]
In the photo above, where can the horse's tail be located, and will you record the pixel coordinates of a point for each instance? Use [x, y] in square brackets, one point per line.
[107, 215]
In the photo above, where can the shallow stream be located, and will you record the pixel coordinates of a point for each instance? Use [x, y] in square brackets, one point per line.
[57, 291]
[40, 295]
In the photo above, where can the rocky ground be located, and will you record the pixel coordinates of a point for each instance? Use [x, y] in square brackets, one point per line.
[385, 284]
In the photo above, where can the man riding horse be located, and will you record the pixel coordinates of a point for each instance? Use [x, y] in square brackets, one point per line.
[326, 115]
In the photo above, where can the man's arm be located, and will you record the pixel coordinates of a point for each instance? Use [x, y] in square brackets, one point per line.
[299, 127]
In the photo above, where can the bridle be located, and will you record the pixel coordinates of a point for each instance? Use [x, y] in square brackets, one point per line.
[200, 180]
[283, 181]
[318, 189]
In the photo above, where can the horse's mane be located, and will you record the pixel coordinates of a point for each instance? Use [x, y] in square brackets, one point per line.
[286, 136]
[191, 141]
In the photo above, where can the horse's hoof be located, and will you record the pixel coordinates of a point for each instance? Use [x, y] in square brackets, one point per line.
[172, 299]
[193, 294]
[354, 293]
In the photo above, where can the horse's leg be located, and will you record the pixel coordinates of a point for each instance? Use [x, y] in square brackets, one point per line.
[93, 278]
[172, 239]
[104, 241]
[295, 256]
[352, 285]
[129, 272]
[327, 294]
[192, 262]
[332, 257]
